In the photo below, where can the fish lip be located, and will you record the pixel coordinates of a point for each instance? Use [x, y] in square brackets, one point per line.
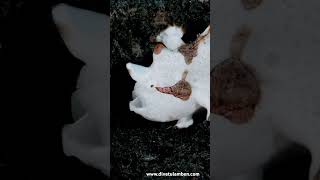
[162, 44]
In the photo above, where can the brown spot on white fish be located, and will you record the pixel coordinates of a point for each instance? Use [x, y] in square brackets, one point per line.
[235, 90]
[251, 4]
[182, 89]
[184, 75]
[157, 49]
[189, 51]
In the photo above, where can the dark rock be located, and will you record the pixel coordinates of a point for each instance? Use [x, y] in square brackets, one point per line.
[175, 151]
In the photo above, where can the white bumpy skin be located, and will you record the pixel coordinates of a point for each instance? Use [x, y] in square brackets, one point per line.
[171, 37]
[86, 35]
[282, 52]
[166, 70]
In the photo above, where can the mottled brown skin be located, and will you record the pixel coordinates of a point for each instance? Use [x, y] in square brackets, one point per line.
[189, 51]
[182, 89]
[158, 47]
[251, 4]
[235, 90]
